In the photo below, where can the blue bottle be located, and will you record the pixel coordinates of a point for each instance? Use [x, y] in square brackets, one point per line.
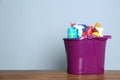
[84, 25]
[72, 32]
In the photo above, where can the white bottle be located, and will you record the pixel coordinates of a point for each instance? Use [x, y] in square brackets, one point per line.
[80, 29]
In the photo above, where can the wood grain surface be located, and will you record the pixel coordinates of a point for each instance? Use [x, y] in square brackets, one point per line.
[55, 75]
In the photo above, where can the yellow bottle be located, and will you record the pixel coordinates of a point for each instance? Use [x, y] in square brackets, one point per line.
[96, 33]
[97, 25]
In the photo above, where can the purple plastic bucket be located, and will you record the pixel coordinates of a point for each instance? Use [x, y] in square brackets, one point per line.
[85, 56]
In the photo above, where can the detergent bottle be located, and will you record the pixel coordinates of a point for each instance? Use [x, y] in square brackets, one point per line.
[72, 31]
[98, 30]
[80, 29]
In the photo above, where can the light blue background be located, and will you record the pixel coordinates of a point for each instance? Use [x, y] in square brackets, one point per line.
[32, 31]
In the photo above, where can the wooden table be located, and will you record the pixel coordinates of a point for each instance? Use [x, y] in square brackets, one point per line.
[55, 75]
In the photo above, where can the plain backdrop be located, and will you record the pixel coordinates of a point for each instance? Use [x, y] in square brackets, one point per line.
[32, 31]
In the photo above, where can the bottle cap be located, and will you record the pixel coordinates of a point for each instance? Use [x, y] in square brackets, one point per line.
[72, 23]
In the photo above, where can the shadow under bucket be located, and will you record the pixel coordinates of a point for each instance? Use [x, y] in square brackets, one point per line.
[85, 56]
